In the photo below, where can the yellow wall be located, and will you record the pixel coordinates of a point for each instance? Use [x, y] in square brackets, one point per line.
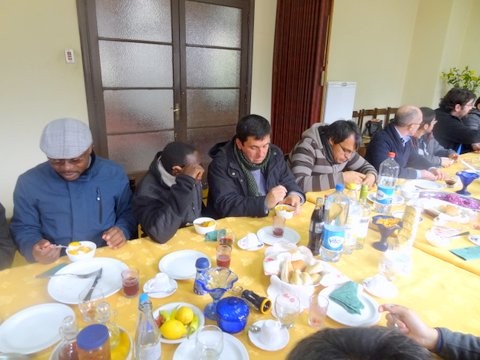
[393, 49]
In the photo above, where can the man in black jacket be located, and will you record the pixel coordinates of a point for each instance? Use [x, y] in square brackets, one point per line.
[248, 175]
[450, 130]
[7, 246]
[170, 194]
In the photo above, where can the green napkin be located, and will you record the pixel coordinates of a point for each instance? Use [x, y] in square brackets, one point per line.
[468, 253]
[346, 296]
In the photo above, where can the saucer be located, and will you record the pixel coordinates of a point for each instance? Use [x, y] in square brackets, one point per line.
[147, 288]
[474, 239]
[380, 287]
[281, 341]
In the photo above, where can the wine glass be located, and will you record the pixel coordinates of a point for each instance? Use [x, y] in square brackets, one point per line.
[216, 282]
[386, 226]
[466, 177]
[286, 309]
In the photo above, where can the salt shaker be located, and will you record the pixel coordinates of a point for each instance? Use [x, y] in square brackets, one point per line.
[202, 264]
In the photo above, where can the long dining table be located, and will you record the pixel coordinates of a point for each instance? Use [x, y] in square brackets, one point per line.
[441, 291]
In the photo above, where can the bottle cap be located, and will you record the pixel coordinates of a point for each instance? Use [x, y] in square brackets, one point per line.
[339, 187]
[352, 186]
[92, 337]
[202, 263]
[143, 298]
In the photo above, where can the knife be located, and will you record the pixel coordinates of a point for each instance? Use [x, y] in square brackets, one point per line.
[50, 272]
[92, 287]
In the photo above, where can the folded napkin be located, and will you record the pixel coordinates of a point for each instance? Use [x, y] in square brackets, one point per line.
[468, 253]
[159, 284]
[346, 296]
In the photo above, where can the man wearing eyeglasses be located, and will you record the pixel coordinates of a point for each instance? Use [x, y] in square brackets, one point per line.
[74, 195]
[327, 155]
[396, 137]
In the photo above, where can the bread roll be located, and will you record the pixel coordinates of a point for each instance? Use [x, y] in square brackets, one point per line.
[315, 268]
[299, 265]
[306, 278]
[296, 278]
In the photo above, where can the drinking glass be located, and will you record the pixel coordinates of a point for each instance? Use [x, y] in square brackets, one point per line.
[209, 342]
[88, 308]
[286, 309]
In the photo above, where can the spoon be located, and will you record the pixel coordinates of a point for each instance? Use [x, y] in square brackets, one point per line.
[254, 328]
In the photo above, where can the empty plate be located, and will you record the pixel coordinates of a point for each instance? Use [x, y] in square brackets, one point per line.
[180, 265]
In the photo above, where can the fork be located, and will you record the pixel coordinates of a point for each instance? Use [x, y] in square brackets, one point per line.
[80, 276]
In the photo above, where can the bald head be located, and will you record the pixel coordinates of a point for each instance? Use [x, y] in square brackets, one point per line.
[408, 115]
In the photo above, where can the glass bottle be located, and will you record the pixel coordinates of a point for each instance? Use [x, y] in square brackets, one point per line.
[202, 264]
[336, 212]
[364, 218]
[353, 218]
[106, 316]
[316, 227]
[387, 179]
[147, 336]
[68, 332]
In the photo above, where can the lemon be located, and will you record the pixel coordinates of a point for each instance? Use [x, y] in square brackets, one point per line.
[173, 329]
[185, 315]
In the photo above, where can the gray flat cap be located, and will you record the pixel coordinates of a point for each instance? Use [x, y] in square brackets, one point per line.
[65, 139]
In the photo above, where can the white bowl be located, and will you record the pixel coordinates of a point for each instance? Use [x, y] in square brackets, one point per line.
[285, 210]
[76, 253]
[200, 223]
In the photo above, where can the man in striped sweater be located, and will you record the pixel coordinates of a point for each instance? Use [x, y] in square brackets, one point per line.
[327, 155]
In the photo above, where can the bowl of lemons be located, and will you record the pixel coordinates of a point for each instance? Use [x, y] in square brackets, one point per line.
[81, 250]
[204, 225]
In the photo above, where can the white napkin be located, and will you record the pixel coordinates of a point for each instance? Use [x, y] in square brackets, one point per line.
[160, 283]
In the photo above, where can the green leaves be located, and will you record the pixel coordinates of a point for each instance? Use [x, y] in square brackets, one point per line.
[463, 78]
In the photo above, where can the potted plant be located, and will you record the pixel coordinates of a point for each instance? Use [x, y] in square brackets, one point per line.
[464, 78]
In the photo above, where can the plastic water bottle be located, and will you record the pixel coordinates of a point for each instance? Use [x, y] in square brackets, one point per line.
[364, 217]
[336, 212]
[353, 218]
[316, 227]
[387, 179]
[147, 336]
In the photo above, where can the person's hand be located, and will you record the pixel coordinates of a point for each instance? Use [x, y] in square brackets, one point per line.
[275, 196]
[194, 171]
[439, 174]
[45, 252]
[295, 201]
[446, 161]
[369, 180]
[432, 174]
[409, 323]
[453, 156]
[353, 177]
[114, 237]
[476, 147]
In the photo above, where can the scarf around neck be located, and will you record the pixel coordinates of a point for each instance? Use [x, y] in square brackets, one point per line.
[247, 167]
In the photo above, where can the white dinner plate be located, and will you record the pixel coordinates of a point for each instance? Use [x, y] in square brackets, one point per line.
[266, 236]
[423, 184]
[474, 239]
[368, 316]
[66, 289]
[279, 343]
[33, 329]
[233, 349]
[397, 199]
[173, 305]
[180, 265]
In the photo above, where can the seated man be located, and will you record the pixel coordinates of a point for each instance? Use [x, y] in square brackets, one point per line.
[472, 121]
[170, 194]
[426, 145]
[450, 130]
[327, 155]
[74, 195]
[248, 175]
[7, 246]
[396, 138]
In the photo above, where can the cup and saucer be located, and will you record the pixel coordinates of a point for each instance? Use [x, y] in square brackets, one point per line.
[269, 335]
[160, 286]
[251, 242]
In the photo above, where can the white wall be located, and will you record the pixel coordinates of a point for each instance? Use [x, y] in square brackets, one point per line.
[36, 85]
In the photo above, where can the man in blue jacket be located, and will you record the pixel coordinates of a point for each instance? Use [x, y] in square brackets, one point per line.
[248, 175]
[74, 195]
[396, 137]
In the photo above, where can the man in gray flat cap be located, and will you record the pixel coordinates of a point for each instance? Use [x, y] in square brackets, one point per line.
[74, 195]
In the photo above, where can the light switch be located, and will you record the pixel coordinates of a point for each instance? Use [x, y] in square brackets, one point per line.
[69, 56]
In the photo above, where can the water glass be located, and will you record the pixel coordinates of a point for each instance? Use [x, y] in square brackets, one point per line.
[286, 309]
[209, 342]
[317, 310]
[88, 308]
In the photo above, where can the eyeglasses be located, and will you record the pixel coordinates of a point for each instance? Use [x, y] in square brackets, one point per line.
[346, 152]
